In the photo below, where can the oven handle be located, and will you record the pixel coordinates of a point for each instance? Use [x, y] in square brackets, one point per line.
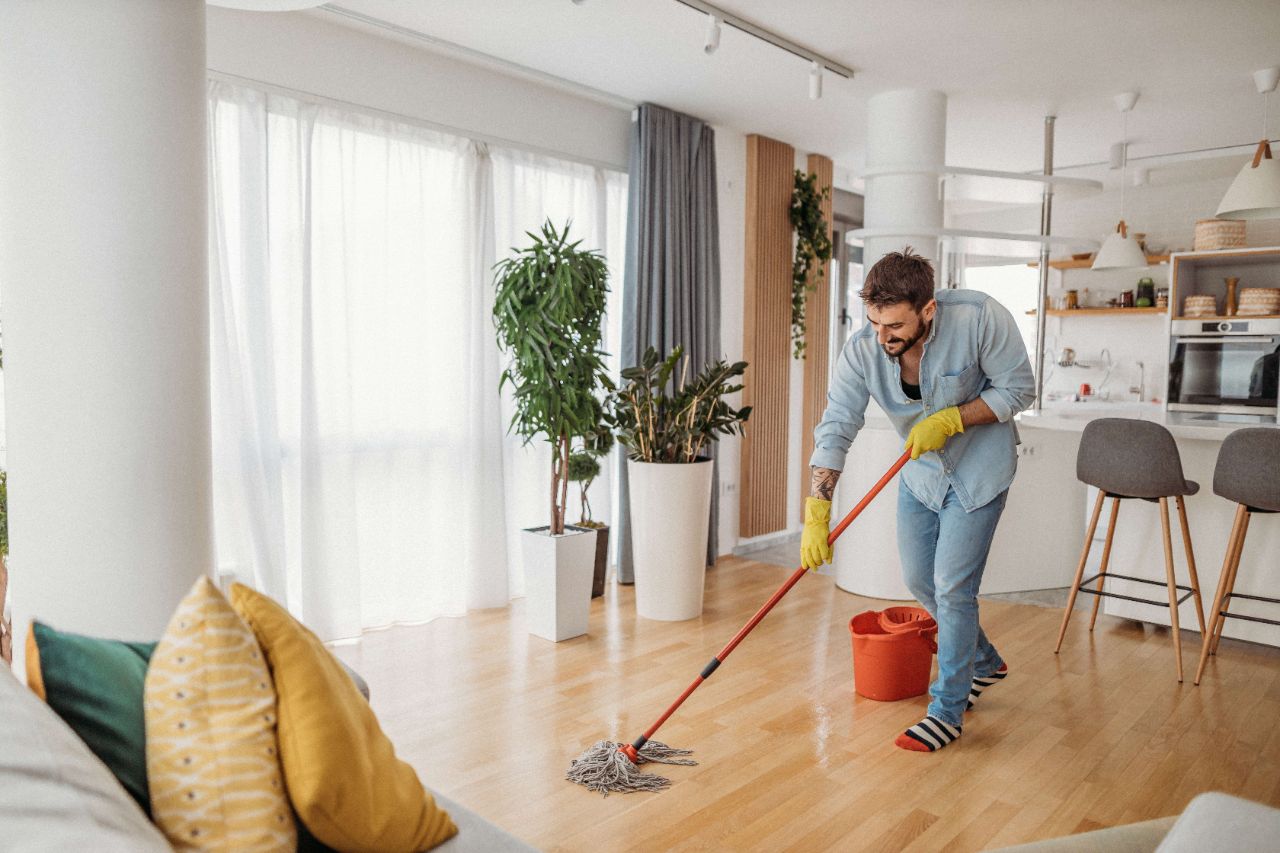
[1240, 339]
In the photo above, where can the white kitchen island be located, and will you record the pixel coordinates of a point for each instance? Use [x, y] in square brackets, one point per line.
[1038, 542]
[1138, 547]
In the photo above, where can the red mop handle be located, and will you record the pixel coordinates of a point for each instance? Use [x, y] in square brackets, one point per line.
[633, 749]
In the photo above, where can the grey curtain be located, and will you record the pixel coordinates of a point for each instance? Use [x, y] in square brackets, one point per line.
[671, 287]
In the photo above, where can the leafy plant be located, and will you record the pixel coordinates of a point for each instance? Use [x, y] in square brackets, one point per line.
[659, 419]
[813, 246]
[584, 467]
[548, 309]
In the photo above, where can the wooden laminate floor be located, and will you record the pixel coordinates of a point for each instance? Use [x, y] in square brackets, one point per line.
[790, 758]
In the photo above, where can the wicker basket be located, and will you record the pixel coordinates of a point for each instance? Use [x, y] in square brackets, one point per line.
[1219, 234]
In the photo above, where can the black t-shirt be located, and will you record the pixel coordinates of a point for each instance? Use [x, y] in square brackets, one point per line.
[912, 391]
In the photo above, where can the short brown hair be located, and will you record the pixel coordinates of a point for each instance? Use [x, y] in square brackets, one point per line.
[899, 277]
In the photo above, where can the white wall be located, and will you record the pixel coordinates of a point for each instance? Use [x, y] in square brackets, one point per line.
[306, 53]
[731, 178]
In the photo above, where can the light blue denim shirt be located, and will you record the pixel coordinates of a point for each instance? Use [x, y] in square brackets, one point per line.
[973, 350]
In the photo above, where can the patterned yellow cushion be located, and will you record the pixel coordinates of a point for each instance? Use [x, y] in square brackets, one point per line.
[212, 757]
[344, 779]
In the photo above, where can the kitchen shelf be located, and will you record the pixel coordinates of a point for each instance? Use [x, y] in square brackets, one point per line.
[974, 242]
[992, 185]
[1086, 263]
[1084, 312]
[1213, 317]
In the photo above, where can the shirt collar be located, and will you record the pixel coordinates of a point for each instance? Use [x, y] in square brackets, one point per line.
[933, 327]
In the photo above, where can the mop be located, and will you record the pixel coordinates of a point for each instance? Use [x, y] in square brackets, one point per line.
[610, 767]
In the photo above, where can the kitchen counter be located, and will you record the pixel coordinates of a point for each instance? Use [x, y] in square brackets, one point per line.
[1072, 417]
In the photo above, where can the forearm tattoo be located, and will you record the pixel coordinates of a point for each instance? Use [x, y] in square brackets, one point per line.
[824, 482]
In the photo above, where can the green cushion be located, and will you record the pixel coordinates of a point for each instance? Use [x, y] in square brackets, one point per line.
[96, 687]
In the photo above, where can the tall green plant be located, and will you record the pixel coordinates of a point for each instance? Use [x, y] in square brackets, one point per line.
[548, 309]
[813, 248]
[664, 417]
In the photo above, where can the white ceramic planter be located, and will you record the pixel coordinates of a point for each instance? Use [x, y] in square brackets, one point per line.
[670, 509]
[557, 581]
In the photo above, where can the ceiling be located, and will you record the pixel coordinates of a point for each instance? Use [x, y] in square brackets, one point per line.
[1004, 64]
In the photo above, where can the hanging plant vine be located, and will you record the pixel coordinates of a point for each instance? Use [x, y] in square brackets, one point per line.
[813, 248]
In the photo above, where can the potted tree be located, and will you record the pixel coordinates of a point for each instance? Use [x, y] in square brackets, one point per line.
[664, 421]
[548, 307]
[584, 467]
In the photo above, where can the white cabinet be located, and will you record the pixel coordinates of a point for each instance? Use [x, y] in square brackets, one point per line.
[1038, 541]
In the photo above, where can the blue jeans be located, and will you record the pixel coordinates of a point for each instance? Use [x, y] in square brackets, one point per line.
[943, 554]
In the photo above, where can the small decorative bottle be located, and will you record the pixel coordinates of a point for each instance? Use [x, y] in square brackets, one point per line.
[1230, 309]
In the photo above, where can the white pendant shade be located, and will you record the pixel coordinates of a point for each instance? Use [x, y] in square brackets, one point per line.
[1120, 251]
[1255, 193]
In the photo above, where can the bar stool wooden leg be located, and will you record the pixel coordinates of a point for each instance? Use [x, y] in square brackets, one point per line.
[1106, 558]
[1215, 616]
[1231, 582]
[1084, 558]
[1173, 590]
[1233, 550]
[1191, 562]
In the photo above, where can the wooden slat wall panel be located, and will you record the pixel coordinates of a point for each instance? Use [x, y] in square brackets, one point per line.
[767, 335]
[817, 334]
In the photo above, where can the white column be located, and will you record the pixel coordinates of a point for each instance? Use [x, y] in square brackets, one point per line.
[906, 129]
[105, 308]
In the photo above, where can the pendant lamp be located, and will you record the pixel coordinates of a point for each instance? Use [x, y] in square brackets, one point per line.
[1119, 250]
[1255, 193]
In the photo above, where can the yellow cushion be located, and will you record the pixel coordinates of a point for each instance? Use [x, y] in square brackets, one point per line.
[212, 757]
[344, 779]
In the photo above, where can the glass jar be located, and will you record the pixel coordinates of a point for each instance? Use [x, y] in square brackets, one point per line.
[1146, 293]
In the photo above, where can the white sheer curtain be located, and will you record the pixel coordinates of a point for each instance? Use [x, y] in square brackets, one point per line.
[361, 469]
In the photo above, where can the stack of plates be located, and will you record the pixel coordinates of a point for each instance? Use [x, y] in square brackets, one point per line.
[1200, 306]
[1259, 300]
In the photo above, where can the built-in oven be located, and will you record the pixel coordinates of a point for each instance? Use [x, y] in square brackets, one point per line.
[1225, 366]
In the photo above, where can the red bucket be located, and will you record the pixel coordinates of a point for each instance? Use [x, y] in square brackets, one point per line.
[892, 653]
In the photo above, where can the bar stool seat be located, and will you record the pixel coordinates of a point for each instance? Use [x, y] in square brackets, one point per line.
[1247, 473]
[1128, 459]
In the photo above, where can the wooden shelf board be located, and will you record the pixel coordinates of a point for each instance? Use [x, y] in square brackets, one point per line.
[1222, 317]
[1094, 312]
[1085, 263]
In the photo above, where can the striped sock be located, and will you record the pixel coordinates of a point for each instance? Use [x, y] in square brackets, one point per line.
[981, 684]
[928, 735]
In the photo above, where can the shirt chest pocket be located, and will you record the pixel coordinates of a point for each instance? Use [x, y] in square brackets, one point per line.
[959, 387]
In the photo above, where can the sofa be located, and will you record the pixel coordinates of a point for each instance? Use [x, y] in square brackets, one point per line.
[1211, 821]
[56, 795]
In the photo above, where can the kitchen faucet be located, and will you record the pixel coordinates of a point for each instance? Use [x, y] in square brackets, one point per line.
[1141, 388]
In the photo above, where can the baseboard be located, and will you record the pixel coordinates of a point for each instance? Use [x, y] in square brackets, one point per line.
[766, 541]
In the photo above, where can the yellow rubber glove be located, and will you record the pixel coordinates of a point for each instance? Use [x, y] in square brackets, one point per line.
[932, 432]
[814, 550]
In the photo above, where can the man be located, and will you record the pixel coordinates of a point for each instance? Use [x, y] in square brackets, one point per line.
[950, 371]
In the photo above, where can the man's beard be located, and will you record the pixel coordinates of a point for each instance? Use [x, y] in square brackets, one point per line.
[904, 344]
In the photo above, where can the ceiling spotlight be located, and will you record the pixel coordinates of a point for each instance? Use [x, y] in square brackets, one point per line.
[815, 81]
[579, 2]
[713, 34]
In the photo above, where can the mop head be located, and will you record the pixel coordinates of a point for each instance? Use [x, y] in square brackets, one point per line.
[605, 768]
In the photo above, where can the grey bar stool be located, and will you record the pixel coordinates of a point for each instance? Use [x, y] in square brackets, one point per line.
[1248, 473]
[1132, 459]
